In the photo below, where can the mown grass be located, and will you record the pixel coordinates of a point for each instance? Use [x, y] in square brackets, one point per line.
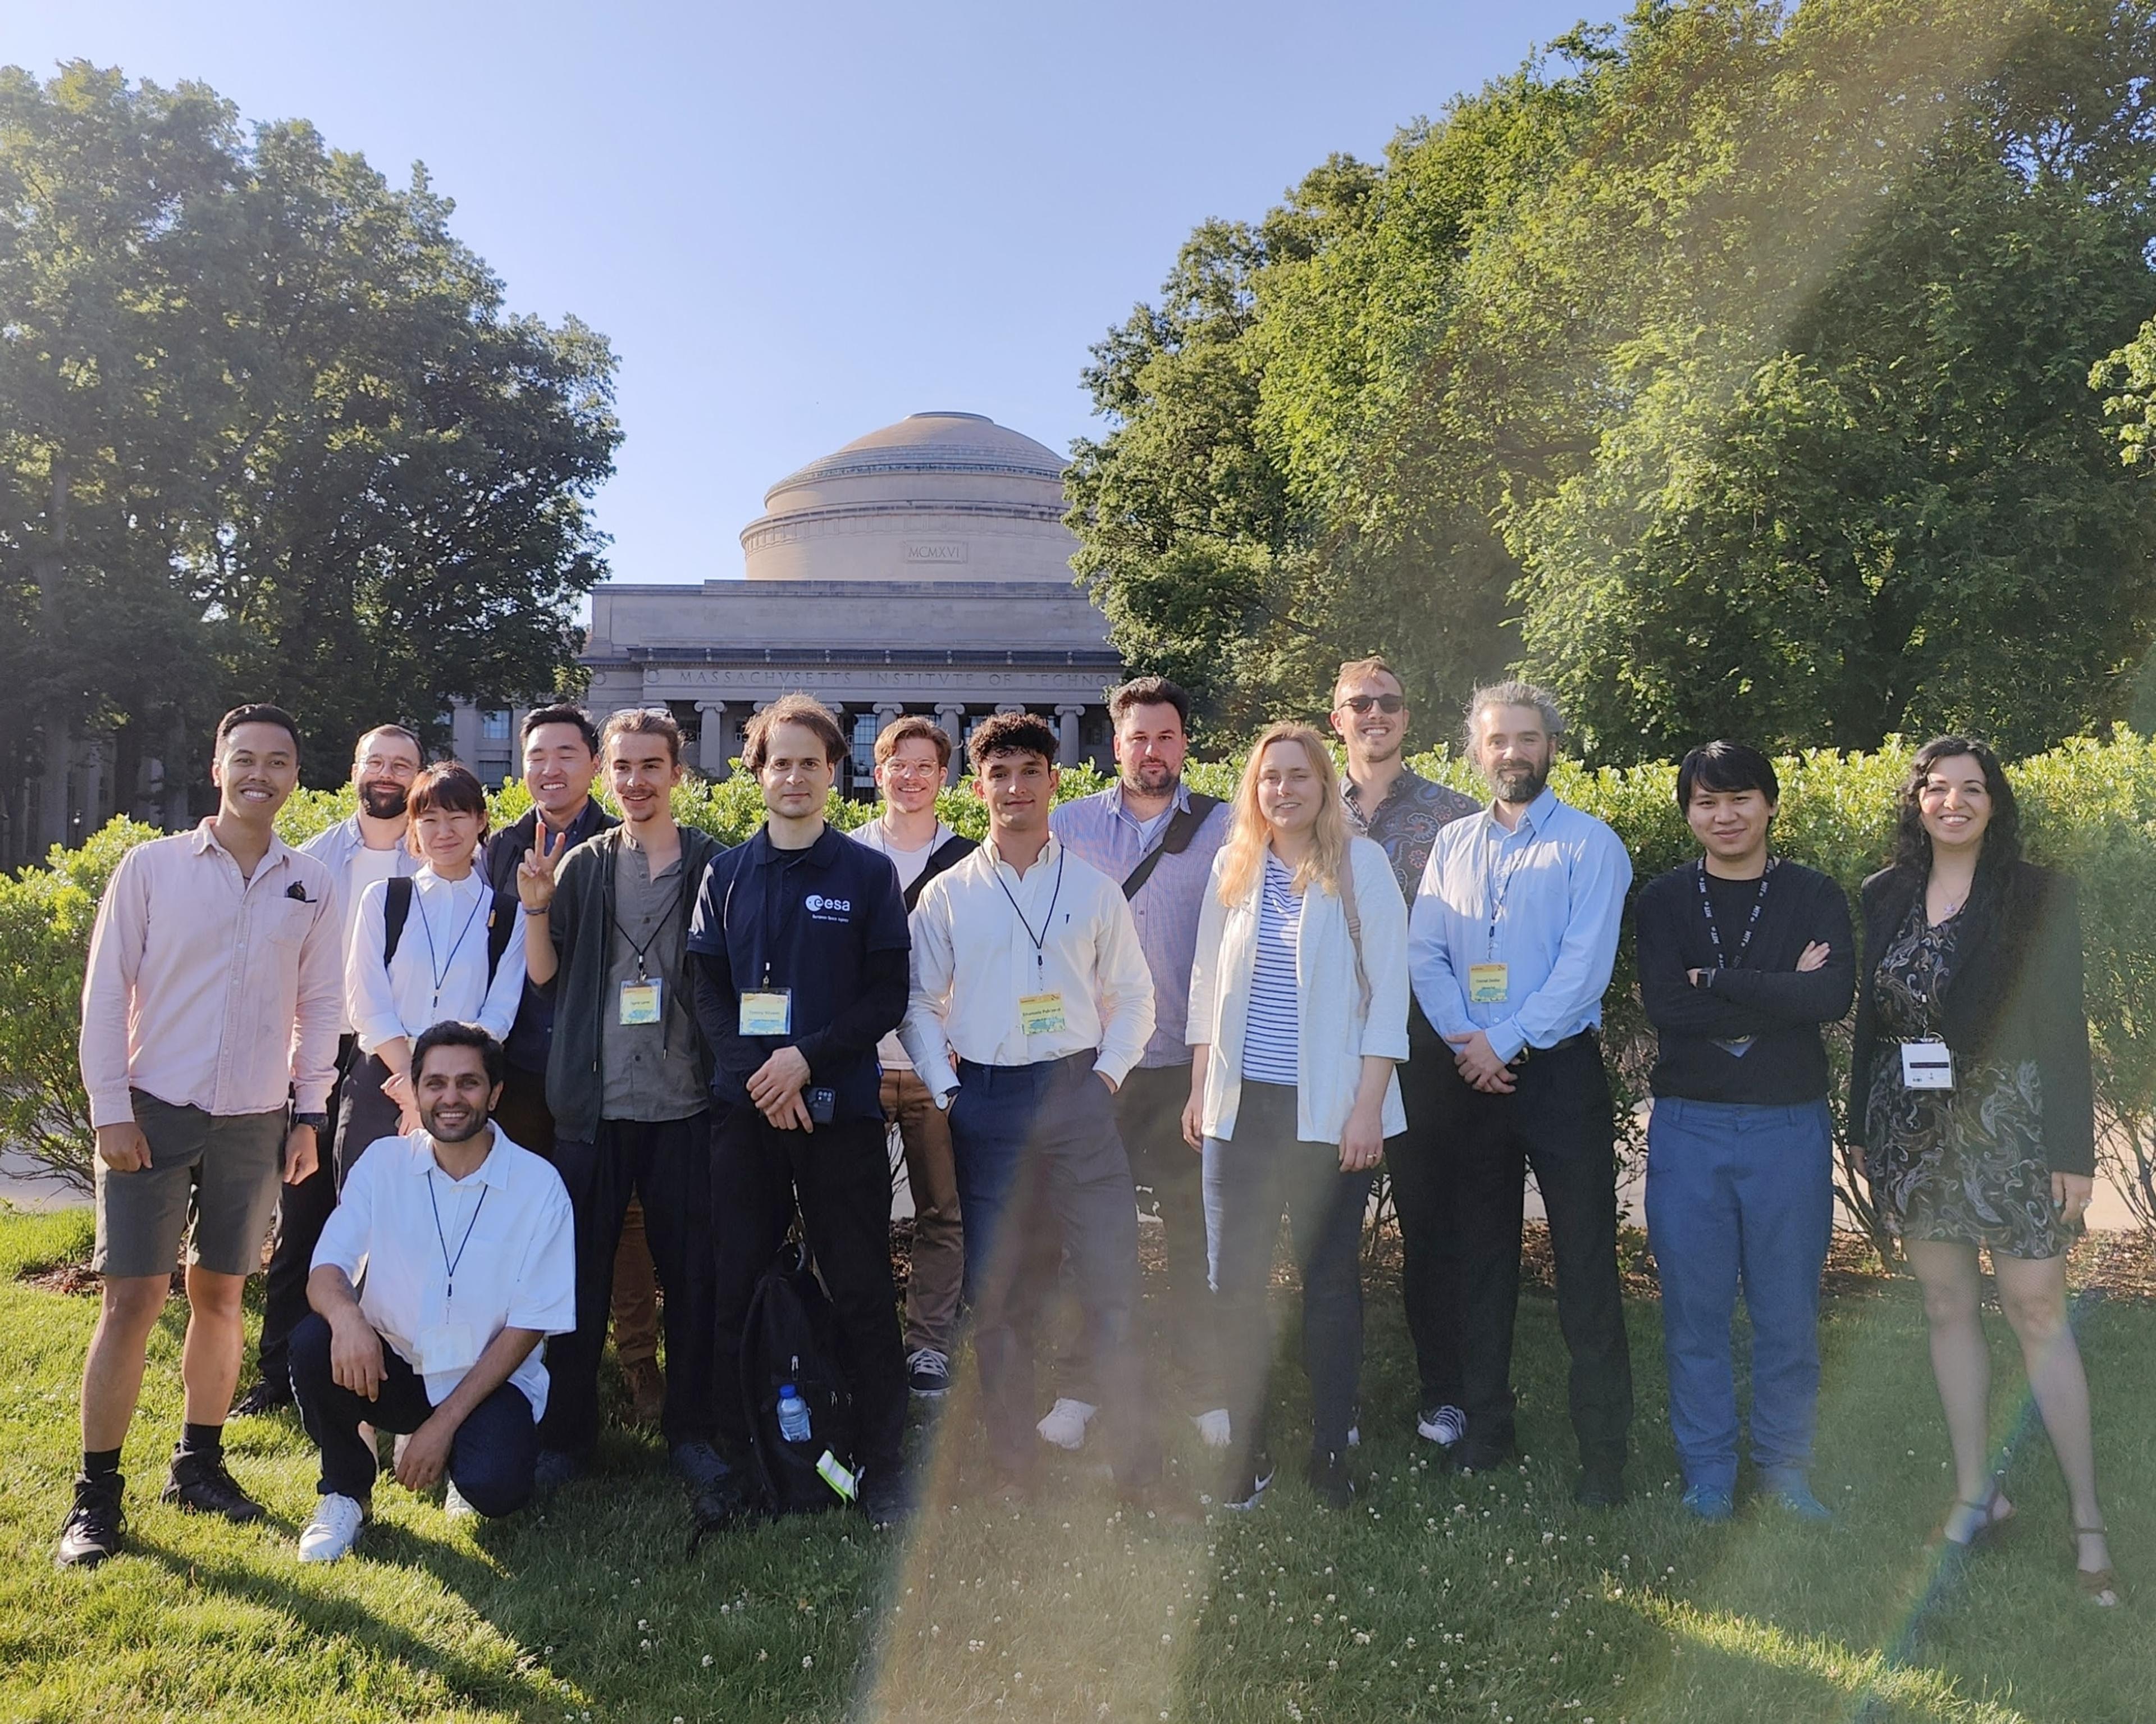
[1490, 1599]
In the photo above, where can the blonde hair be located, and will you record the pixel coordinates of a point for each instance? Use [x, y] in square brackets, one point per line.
[1242, 855]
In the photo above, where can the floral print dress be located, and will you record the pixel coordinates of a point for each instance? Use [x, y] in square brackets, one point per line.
[1964, 1165]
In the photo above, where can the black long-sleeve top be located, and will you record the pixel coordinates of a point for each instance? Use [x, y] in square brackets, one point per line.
[1764, 997]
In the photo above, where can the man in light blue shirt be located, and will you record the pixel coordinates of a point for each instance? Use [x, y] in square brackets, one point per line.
[1511, 944]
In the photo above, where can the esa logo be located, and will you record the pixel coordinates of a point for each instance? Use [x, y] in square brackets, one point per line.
[828, 909]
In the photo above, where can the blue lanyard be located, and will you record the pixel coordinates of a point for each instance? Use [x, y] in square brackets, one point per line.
[1041, 939]
[1504, 886]
[439, 968]
[449, 1264]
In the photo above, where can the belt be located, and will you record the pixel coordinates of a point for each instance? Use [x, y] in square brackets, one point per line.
[1591, 1038]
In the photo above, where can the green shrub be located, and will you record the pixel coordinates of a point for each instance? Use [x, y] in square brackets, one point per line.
[2090, 808]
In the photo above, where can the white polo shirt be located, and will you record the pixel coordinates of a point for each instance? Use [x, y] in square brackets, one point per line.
[402, 1221]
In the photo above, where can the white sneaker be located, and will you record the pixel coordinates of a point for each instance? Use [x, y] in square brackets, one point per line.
[1212, 1428]
[455, 1504]
[1064, 1426]
[1444, 1426]
[334, 1530]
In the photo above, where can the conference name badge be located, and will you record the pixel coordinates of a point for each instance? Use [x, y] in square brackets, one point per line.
[1488, 983]
[448, 1347]
[1041, 1014]
[1927, 1065]
[639, 1003]
[767, 1011]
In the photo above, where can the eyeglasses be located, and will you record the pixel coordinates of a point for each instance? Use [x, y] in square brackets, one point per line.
[912, 769]
[1382, 702]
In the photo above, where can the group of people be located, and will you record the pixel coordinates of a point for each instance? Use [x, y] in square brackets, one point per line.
[1224, 1013]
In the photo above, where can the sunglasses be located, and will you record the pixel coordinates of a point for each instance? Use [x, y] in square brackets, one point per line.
[1382, 702]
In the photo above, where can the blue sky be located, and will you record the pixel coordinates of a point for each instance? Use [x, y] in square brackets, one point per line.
[797, 224]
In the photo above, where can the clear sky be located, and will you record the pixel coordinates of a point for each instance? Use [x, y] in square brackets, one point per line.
[797, 224]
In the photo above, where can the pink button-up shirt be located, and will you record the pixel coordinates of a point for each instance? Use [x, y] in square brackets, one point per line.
[208, 990]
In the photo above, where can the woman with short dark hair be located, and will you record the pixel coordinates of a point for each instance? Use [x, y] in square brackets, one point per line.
[1971, 1105]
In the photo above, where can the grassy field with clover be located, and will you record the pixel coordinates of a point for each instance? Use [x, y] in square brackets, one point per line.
[1439, 1598]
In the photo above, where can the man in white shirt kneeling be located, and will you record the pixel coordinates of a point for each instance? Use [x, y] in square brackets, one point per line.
[462, 1247]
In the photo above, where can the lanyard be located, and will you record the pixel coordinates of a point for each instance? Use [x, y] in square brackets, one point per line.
[657, 928]
[1497, 897]
[1751, 922]
[440, 967]
[449, 1264]
[1041, 939]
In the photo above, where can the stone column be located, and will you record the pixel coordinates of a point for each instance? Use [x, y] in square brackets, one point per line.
[951, 717]
[464, 731]
[1066, 734]
[716, 747]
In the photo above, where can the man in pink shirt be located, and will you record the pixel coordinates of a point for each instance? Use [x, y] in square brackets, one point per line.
[214, 992]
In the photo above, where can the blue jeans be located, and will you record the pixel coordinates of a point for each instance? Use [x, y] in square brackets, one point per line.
[1248, 1180]
[1038, 1156]
[491, 1457]
[1740, 1195]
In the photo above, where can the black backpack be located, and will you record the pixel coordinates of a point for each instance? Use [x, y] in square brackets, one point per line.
[397, 911]
[791, 1336]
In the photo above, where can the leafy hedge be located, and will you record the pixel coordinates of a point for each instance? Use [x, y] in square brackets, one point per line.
[2089, 807]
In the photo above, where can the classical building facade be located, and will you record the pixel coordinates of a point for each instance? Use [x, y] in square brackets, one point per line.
[924, 568]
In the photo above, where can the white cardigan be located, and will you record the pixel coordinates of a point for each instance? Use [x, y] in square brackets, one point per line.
[1334, 1037]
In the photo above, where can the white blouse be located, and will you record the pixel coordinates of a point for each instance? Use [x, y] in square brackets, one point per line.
[439, 970]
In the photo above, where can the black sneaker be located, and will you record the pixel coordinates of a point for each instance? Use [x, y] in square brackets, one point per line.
[1474, 1456]
[928, 1373]
[267, 1396]
[1601, 1486]
[1330, 1481]
[200, 1484]
[95, 1525]
[722, 1504]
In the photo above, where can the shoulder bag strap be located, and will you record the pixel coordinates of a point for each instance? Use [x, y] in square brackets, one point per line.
[1354, 915]
[948, 855]
[500, 927]
[396, 911]
[1182, 827]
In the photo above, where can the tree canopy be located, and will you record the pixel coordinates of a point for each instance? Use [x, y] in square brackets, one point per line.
[267, 431]
[1738, 369]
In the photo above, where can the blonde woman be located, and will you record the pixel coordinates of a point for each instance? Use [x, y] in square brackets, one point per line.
[1298, 1014]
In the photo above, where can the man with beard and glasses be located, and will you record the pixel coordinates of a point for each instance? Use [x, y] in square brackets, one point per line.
[1403, 812]
[1156, 838]
[367, 847]
[1511, 944]
[469, 1255]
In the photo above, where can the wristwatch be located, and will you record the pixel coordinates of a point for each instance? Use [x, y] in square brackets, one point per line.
[321, 1122]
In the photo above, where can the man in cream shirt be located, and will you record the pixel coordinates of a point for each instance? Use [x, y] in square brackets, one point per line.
[1027, 968]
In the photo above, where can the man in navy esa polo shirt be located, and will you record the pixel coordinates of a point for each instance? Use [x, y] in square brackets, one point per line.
[799, 942]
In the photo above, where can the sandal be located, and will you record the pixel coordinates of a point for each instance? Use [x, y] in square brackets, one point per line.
[1984, 1531]
[2099, 1586]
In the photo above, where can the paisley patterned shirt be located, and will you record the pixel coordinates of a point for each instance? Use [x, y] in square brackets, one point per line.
[1406, 823]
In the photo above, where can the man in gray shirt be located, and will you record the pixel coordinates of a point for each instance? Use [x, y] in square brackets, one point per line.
[628, 1084]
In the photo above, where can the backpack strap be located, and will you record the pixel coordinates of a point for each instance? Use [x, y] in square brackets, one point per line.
[947, 856]
[396, 912]
[501, 929]
[1355, 915]
[1182, 827]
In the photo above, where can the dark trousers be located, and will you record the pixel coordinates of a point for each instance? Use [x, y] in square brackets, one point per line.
[1249, 1179]
[491, 1457]
[302, 1211]
[1037, 1153]
[666, 1164]
[523, 1113]
[1424, 1199]
[364, 1113]
[1559, 1121]
[1170, 1180]
[1740, 1195]
[839, 1176]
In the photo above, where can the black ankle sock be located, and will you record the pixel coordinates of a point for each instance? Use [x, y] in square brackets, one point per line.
[205, 1440]
[100, 1462]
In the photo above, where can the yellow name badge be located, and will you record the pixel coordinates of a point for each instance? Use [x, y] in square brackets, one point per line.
[1040, 1014]
[639, 1002]
[767, 1011]
[1488, 983]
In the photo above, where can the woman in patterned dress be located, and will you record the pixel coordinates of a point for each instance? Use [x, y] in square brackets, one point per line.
[1971, 1105]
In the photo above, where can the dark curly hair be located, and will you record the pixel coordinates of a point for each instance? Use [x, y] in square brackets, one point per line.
[2002, 836]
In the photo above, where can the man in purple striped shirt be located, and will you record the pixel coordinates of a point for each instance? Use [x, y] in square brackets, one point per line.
[1150, 812]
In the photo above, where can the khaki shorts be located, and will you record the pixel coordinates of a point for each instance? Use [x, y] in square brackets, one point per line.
[212, 1179]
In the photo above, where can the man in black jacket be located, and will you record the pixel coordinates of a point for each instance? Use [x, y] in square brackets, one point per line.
[800, 947]
[1744, 955]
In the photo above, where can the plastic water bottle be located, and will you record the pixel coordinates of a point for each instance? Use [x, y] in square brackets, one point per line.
[793, 1415]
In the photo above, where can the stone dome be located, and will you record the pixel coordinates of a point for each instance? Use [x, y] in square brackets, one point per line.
[941, 497]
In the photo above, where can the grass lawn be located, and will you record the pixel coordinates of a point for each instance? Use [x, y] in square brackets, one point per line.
[1492, 1599]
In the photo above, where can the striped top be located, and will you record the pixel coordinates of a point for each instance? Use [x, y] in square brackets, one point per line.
[1272, 1024]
